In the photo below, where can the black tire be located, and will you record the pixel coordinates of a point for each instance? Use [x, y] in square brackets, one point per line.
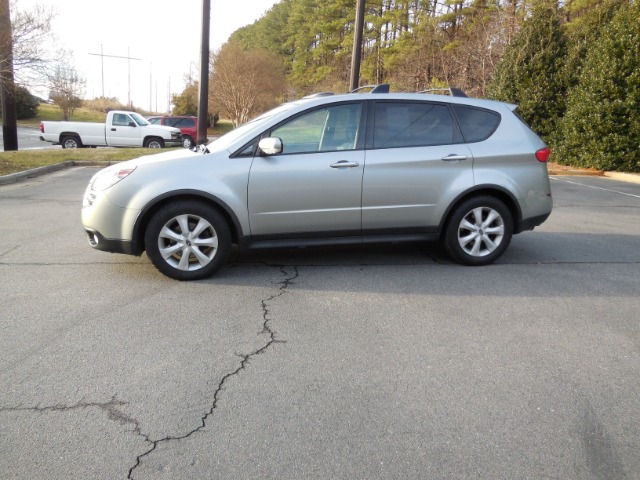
[71, 141]
[187, 240]
[154, 142]
[187, 141]
[478, 231]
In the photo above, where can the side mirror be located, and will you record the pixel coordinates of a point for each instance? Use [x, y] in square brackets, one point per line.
[132, 124]
[270, 146]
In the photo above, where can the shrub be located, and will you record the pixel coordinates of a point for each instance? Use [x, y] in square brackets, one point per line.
[529, 72]
[601, 128]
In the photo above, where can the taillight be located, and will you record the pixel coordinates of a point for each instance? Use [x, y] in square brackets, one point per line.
[543, 154]
[41, 127]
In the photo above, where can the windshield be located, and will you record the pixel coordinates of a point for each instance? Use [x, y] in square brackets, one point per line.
[229, 138]
[140, 120]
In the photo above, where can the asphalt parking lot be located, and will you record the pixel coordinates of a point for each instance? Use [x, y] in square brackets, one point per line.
[348, 363]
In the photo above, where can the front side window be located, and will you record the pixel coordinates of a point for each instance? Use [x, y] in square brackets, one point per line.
[323, 130]
[412, 124]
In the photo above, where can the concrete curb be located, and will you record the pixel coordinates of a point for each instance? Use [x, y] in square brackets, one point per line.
[623, 177]
[36, 172]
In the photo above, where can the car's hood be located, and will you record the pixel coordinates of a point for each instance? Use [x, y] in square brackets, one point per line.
[163, 128]
[160, 157]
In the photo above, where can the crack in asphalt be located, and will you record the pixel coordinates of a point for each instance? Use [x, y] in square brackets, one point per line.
[110, 408]
[266, 329]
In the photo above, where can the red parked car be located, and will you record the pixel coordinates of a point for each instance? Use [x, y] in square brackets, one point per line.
[187, 125]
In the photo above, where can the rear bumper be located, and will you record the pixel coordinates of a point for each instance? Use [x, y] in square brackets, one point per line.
[531, 223]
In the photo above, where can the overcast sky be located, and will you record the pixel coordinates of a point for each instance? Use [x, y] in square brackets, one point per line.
[163, 34]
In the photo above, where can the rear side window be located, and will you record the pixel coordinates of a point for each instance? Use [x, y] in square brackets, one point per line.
[476, 124]
[412, 125]
[184, 123]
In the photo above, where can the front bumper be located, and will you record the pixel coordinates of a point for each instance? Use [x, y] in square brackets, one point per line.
[177, 142]
[109, 227]
[99, 242]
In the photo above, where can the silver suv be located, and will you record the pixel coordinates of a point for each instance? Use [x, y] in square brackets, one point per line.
[331, 169]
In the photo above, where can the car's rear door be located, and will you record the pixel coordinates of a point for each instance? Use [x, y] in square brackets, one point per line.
[417, 163]
[315, 185]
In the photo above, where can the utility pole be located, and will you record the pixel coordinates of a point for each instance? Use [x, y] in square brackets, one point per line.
[9, 126]
[128, 58]
[356, 55]
[203, 89]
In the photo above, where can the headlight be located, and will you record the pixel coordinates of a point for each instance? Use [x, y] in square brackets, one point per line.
[109, 177]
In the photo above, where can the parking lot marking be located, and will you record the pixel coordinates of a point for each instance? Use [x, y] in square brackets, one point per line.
[597, 188]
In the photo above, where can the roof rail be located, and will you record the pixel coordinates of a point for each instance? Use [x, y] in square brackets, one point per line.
[381, 88]
[319, 94]
[454, 92]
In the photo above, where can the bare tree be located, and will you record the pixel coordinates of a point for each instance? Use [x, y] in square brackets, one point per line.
[66, 88]
[33, 45]
[244, 83]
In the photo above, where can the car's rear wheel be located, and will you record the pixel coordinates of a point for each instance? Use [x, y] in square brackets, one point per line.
[187, 240]
[154, 143]
[71, 141]
[479, 231]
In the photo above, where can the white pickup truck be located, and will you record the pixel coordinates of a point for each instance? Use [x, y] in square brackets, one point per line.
[122, 129]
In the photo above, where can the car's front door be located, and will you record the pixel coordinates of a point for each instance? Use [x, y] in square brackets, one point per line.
[123, 131]
[315, 184]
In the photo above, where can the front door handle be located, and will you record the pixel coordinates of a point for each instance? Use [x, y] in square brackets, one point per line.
[454, 158]
[113, 129]
[345, 164]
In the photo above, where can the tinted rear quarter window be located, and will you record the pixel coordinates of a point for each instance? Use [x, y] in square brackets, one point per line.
[476, 124]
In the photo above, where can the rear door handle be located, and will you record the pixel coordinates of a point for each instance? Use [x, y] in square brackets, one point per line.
[345, 164]
[454, 158]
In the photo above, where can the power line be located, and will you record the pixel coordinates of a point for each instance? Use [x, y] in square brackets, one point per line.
[128, 58]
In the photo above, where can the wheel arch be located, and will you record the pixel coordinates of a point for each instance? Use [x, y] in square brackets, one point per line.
[502, 194]
[62, 136]
[149, 138]
[152, 207]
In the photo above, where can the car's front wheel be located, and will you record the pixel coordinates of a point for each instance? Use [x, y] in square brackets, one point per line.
[154, 143]
[479, 231]
[187, 240]
[187, 141]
